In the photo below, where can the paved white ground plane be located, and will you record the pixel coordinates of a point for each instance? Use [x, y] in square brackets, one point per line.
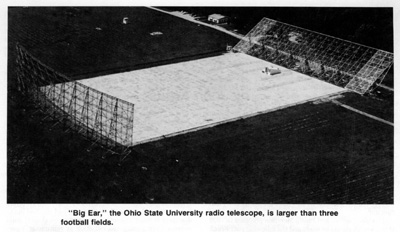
[187, 96]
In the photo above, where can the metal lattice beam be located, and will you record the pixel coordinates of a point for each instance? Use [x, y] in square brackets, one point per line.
[98, 116]
[340, 62]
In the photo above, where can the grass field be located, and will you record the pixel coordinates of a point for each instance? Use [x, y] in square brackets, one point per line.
[309, 153]
[381, 106]
[303, 154]
[67, 40]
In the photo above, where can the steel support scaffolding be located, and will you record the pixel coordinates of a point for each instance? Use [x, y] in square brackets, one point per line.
[350, 65]
[99, 117]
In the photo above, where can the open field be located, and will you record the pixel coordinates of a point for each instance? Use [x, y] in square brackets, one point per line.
[302, 154]
[308, 153]
[67, 40]
[381, 106]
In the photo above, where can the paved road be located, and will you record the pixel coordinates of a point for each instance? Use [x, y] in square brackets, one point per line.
[188, 18]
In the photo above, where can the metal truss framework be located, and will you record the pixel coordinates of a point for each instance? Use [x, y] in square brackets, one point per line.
[101, 118]
[352, 66]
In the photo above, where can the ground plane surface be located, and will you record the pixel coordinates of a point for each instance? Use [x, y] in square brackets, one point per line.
[175, 98]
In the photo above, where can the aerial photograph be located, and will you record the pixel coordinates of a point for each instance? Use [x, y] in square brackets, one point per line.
[193, 105]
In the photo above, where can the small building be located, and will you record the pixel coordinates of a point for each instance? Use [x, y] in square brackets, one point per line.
[217, 18]
[271, 71]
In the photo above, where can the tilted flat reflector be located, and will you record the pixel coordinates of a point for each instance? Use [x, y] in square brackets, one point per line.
[374, 69]
[350, 65]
